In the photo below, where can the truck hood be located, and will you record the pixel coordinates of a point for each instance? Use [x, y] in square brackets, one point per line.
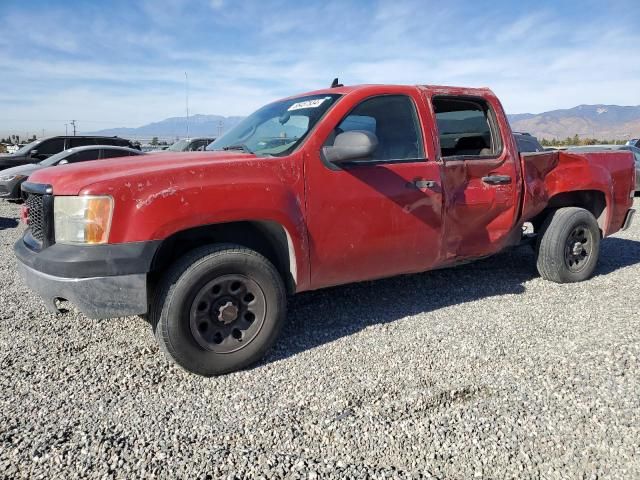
[71, 179]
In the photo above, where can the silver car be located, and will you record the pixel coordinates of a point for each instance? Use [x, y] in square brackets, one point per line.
[12, 178]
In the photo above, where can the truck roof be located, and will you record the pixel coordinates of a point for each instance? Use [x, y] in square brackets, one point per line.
[436, 89]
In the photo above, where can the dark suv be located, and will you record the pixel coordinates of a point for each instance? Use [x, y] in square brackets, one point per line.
[39, 150]
[527, 143]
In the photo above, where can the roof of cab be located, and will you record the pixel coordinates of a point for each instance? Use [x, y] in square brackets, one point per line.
[435, 89]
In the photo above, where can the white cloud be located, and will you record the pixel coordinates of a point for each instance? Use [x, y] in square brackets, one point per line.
[130, 71]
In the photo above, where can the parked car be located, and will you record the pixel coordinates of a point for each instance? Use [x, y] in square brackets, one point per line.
[189, 145]
[527, 143]
[12, 178]
[39, 150]
[635, 150]
[373, 181]
[634, 142]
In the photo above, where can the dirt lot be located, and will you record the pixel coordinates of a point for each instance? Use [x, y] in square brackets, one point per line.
[480, 371]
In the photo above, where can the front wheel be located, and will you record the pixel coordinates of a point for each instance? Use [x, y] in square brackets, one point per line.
[568, 245]
[219, 309]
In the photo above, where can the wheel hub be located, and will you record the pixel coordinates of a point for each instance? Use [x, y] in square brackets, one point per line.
[228, 313]
[577, 248]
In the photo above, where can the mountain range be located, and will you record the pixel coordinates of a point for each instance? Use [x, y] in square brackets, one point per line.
[610, 122]
[176, 127]
[604, 122]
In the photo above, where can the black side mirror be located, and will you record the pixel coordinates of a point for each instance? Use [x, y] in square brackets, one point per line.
[351, 145]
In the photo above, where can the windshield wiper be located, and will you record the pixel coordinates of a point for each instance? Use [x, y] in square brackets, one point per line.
[238, 146]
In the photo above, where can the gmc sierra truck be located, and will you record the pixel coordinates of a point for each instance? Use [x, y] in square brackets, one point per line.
[334, 186]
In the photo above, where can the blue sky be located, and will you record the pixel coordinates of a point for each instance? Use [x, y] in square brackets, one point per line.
[121, 63]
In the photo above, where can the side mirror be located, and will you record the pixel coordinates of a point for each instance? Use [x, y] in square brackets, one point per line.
[351, 146]
[64, 161]
[34, 152]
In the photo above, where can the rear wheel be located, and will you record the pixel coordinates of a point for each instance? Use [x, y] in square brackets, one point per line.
[568, 245]
[219, 309]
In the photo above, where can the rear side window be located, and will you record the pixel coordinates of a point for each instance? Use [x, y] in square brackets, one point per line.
[466, 127]
[394, 121]
[84, 156]
[119, 142]
[80, 142]
[113, 153]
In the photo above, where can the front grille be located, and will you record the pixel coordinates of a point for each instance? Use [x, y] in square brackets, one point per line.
[36, 215]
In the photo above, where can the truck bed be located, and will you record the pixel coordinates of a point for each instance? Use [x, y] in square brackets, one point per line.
[550, 178]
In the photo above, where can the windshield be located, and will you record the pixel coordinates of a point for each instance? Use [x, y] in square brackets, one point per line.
[54, 159]
[179, 146]
[278, 128]
[27, 147]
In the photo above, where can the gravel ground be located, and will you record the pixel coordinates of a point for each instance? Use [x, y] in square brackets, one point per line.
[480, 371]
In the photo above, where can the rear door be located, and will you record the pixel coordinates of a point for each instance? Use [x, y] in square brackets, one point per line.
[377, 216]
[480, 175]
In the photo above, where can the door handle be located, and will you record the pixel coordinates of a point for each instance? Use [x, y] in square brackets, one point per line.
[420, 184]
[497, 179]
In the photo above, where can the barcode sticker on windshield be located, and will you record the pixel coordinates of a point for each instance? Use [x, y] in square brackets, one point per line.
[307, 104]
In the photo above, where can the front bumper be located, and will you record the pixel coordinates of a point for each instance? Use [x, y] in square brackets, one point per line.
[102, 281]
[96, 297]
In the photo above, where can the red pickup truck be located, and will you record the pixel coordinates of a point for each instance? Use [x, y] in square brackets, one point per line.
[334, 186]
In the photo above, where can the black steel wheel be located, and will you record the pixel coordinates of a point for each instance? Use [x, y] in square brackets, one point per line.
[568, 245]
[218, 309]
[578, 248]
[227, 313]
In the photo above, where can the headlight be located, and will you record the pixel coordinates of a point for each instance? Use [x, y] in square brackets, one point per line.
[84, 219]
[8, 178]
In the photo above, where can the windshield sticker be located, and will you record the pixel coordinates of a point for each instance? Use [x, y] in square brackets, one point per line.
[307, 104]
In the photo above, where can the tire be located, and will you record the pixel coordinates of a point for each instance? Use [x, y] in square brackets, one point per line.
[218, 309]
[568, 246]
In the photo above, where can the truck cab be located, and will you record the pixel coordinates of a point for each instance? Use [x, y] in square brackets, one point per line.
[334, 186]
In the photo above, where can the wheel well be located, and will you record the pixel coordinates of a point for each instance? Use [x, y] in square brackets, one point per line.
[267, 238]
[592, 200]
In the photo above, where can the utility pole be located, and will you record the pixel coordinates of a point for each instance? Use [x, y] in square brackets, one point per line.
[186, 89]
[66, 129]
[73, 123]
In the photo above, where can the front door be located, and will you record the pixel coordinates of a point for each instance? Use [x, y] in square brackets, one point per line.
[377, 216]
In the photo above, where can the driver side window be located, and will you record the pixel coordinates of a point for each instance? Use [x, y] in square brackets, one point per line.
[393, 120]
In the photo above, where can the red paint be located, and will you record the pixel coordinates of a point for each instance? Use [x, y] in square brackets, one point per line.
[24, 214]
[352, 224]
